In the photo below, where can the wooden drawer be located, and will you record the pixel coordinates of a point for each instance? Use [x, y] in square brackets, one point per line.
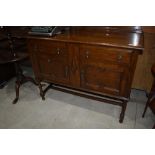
[46, 46]
[99, 54]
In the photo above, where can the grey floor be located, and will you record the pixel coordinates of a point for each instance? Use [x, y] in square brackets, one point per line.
[62, 110]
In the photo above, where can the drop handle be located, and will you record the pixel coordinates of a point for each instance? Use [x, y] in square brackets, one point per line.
[119, 57]
[49, 60]
[58, 51]
[87, 54]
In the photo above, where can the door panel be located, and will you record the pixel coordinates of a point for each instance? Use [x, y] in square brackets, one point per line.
[103, 78]
[102, 70]
[53, 67]
[51, 60]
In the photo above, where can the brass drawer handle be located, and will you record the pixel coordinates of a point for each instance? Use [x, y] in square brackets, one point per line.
[58, 51]
[49, 60]
[119, 57]
[87, 54]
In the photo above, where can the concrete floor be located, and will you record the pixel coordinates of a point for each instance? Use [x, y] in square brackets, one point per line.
[62, 110]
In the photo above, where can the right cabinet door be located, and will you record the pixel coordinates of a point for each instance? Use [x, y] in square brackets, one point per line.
[104, 70]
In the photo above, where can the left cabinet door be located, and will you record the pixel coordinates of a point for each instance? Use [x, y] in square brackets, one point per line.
[51, 61]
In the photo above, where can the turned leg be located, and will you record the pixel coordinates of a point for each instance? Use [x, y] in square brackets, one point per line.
[19, 74]
[41, 91]
[17, 92]
[20, 79]
[124, 104]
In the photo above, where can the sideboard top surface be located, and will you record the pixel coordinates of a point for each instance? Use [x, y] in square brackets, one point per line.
[115, 37]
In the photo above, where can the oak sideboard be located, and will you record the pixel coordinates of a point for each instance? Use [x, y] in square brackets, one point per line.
[94, 62]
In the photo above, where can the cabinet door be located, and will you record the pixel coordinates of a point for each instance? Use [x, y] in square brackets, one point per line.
[52, 62]
[101, 75]
[104, 78]
[53, 67]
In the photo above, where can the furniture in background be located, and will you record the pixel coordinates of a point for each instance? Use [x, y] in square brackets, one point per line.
[18, 36]
[143, 79]
[151, 97]
[14, 55]
[95, 62]
[7, 71]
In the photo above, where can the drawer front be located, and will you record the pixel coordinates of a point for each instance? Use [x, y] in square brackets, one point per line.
[99, 54]
[47, 46]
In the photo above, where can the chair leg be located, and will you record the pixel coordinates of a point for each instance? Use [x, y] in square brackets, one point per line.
[150, 95]
[17, 92]
[147, 103]
[146, 106]
[21, 79]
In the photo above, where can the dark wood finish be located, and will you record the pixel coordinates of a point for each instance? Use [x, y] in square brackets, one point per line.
[53, 61]
[148, 29]
[14, 60]
[18, 35]
[20, 77]
[109, 72]
[7, 71]
[74, 65]
[93, 60]
[14, 55]
[94, 96]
